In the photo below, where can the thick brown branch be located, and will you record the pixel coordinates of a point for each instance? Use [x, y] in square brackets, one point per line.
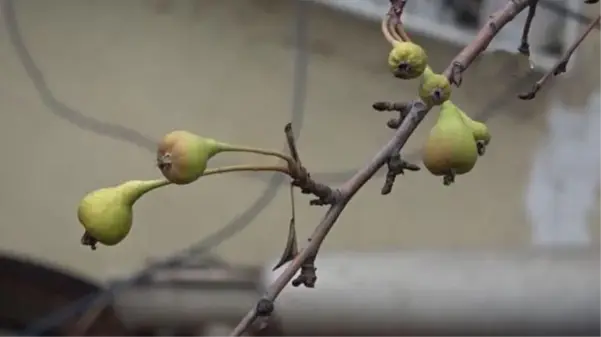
[562, 63]
[465, 58]
[401, 135]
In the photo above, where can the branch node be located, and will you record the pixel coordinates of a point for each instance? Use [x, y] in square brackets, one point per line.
[530, 94]
[396, 9]
[394, 123]
[264, 307]
[396, 166]
[308, 272]
[332, 197]
[561, 68]
[302, 179]
[457, 69]
[524, 48]
[402, 108]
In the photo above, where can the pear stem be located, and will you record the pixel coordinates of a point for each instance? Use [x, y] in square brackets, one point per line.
[235, 148]
[252, 168]
[147, 186]
[428, 71]
[150, 185]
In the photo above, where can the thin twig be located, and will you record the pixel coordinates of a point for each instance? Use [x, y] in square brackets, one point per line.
[244, 168]
[401, 107]
[524, 47]
[561, 65]
[396, 165]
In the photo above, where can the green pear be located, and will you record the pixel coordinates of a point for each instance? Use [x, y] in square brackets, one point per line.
[450, 148]
[407, 60]
[182, 156]
[107, 213]
[434, 88]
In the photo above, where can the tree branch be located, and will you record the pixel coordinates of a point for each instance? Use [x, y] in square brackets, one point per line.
[524, 47]
[416, 114]
[562, 63]
[465, 58]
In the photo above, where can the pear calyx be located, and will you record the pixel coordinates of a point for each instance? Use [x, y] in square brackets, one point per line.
[106, 214]
[182, 156]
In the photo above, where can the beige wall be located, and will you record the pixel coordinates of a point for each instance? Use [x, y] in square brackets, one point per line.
[226, 71]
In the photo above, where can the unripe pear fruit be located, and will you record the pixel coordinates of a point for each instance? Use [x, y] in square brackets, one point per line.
[107, 213]
[407, 60]
[450, 148]
[182, 156]
[434, 88]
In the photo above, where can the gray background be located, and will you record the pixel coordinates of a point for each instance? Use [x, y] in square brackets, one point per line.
[87, 86]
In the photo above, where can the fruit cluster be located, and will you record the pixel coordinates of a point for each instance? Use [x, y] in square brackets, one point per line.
[182, 157]
[455, 141]
[452, 148]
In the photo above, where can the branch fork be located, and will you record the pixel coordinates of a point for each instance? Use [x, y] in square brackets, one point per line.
[561, 64]
[301, 178]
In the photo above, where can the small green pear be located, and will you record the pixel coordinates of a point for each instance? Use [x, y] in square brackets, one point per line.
[107, 213]
[450, 148]
[434, 88]
[479, 129]
[182, 156]
[407, 60]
